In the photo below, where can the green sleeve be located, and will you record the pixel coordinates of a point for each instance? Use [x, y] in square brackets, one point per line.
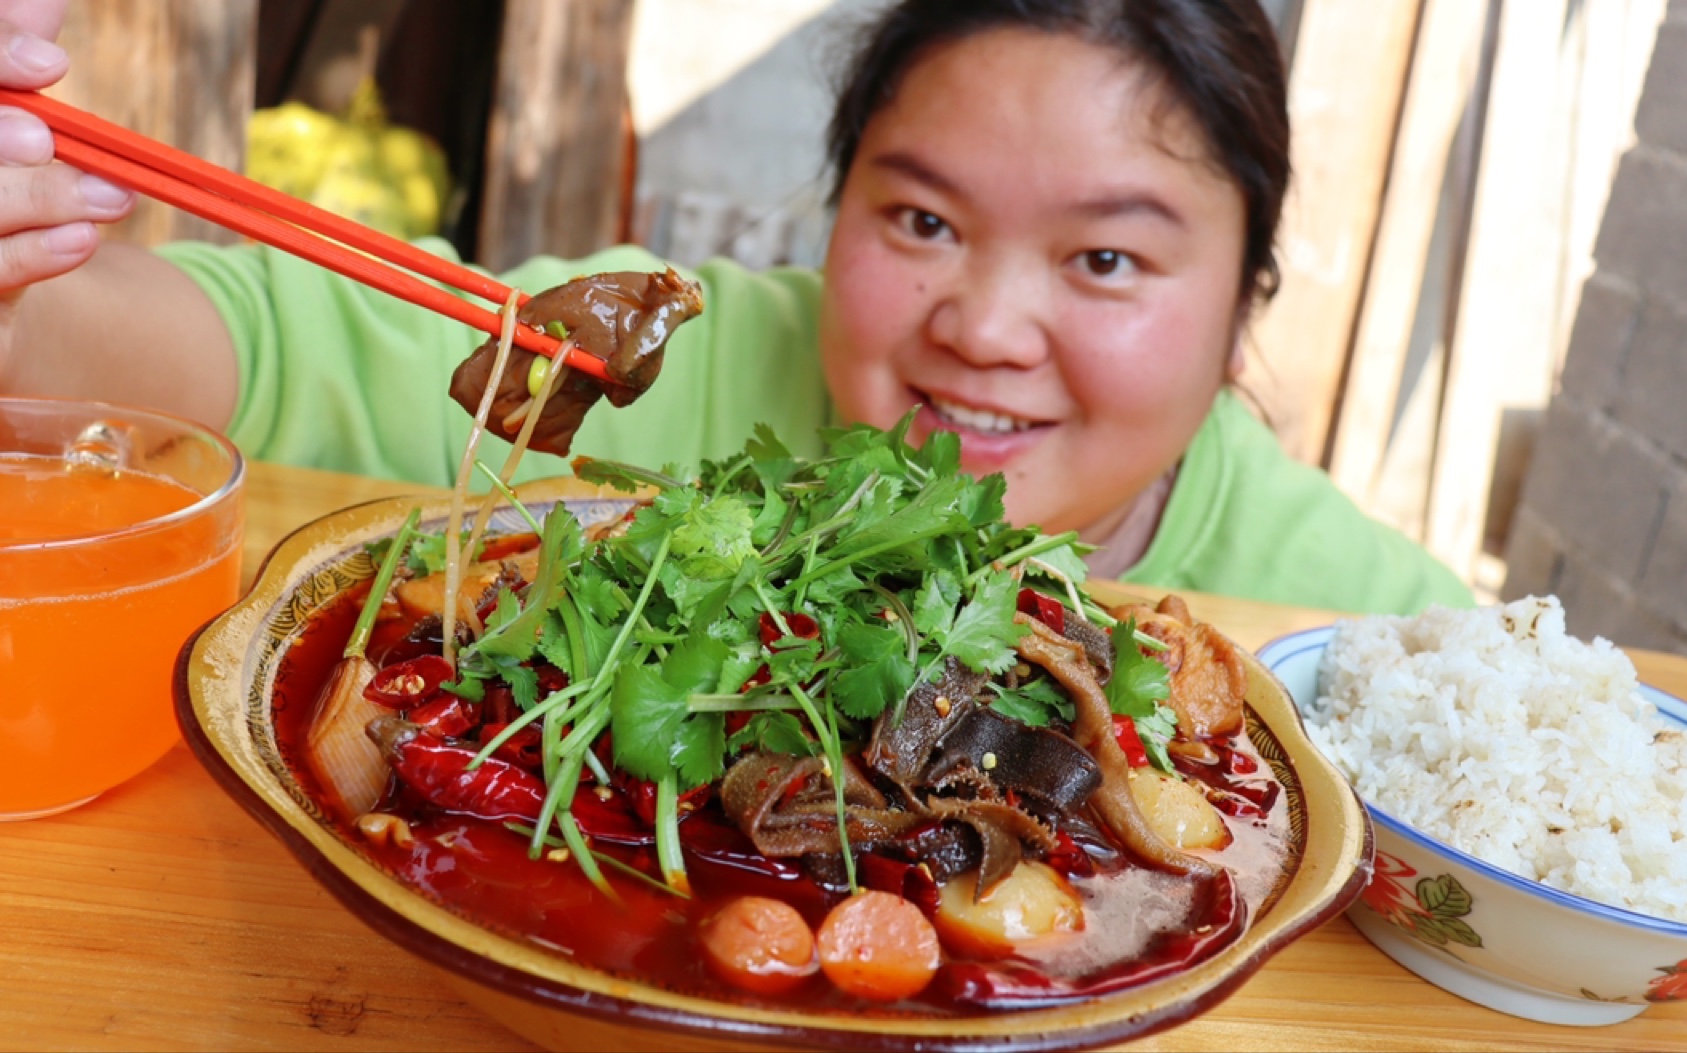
[1247, 520]
[337, 375]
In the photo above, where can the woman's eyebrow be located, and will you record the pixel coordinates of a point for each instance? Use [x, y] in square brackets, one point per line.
[1126, 203]
[912, 167]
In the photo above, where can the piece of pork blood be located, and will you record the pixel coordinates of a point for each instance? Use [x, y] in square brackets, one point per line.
[624, 318]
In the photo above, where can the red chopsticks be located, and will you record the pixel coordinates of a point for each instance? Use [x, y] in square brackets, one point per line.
[264, 214]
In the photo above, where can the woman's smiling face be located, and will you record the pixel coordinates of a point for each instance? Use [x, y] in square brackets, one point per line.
[1033, 248]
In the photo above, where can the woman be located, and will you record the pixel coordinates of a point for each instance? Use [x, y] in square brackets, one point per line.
[1054, 219]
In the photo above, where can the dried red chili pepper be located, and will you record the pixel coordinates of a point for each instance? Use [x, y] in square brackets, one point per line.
[912, 881]
[438, 771]
[1046, 609]
[525, 747]
[446, 716]
[407, 684]
[641, 796]
[1124, 730]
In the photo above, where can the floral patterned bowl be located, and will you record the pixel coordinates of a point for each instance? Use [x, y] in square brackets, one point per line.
[1488, 935]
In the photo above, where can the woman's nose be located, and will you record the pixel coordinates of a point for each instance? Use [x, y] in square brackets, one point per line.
[993, 317]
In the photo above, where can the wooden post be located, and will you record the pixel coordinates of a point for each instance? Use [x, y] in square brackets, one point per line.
[556, 151]
[1344, 100]
[1426, 177]
[1566, 79]
[180, 71]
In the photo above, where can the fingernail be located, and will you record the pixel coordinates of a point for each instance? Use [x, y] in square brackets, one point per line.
[25, 141]
[35, 54]
[71, 239]
[102, 195]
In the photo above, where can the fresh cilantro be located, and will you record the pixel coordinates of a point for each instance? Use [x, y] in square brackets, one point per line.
[1138, 685]
[984, 632]
[776, 732]
[1036, 702]
[713, 538]
[875, 671]
[1155, 731]
[1138, 681]
[934, 604]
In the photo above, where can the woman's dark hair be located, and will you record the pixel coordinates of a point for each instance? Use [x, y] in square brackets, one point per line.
[1220, 59]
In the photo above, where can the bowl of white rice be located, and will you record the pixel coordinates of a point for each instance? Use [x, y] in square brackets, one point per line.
[1530, 803]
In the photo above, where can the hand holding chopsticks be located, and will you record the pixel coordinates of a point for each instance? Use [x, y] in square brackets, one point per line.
[267, 215]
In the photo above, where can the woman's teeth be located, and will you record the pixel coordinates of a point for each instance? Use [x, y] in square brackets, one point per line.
[987, 421]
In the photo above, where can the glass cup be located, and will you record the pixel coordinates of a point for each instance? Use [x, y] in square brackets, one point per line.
[120, 534]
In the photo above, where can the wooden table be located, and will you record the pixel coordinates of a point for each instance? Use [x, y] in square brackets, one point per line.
[162, 917]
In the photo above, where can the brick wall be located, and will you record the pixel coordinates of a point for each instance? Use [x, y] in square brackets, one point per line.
[1602, 520]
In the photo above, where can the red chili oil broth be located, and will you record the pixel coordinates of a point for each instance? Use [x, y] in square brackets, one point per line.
[482, 871]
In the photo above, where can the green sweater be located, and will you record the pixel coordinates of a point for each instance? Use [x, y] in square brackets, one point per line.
[336, 375]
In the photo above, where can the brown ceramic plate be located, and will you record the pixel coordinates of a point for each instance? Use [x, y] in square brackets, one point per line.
[223, 687]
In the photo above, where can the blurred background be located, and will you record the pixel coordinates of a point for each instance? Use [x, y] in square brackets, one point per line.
[1482, 327]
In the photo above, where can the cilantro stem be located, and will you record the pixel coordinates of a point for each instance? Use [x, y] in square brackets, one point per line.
[602, 857]
[509, 495]
[760, 588]
[837, 521]
[599, 772]
[378, 589]
[1043, 543]
[827, 733]
[552, 701]
[668, 855]
[632, 619]
[872, 550]
[904, 620]
[737, 466]
[702, 703]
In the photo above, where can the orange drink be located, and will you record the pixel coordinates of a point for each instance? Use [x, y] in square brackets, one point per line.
[120, 535]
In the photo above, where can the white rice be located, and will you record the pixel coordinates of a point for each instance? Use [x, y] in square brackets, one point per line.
[1496, 732]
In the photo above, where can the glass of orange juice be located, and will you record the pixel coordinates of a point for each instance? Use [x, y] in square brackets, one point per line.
[120, 534]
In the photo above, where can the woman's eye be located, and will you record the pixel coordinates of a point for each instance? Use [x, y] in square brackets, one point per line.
[927, 226]
[1106, 263]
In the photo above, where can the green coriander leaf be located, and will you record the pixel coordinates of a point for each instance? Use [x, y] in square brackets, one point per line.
[505, 612]
[523, 682]
[835, 587]
[743, 658]
[942, 453]
[554, 647]
[713, 539]
[1138, 681]
[984, 632]
[1064, 559]
[774, 731]
[792, 659]
[1036, 702]
[769, 519]
[624, 477]
[934, 604]
[467, 686]
[981, 502]
[700, 748]
[934, 510]
[1155, 731]
[645, 716]
[650, 715]
[427, 552]
[876, 671]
